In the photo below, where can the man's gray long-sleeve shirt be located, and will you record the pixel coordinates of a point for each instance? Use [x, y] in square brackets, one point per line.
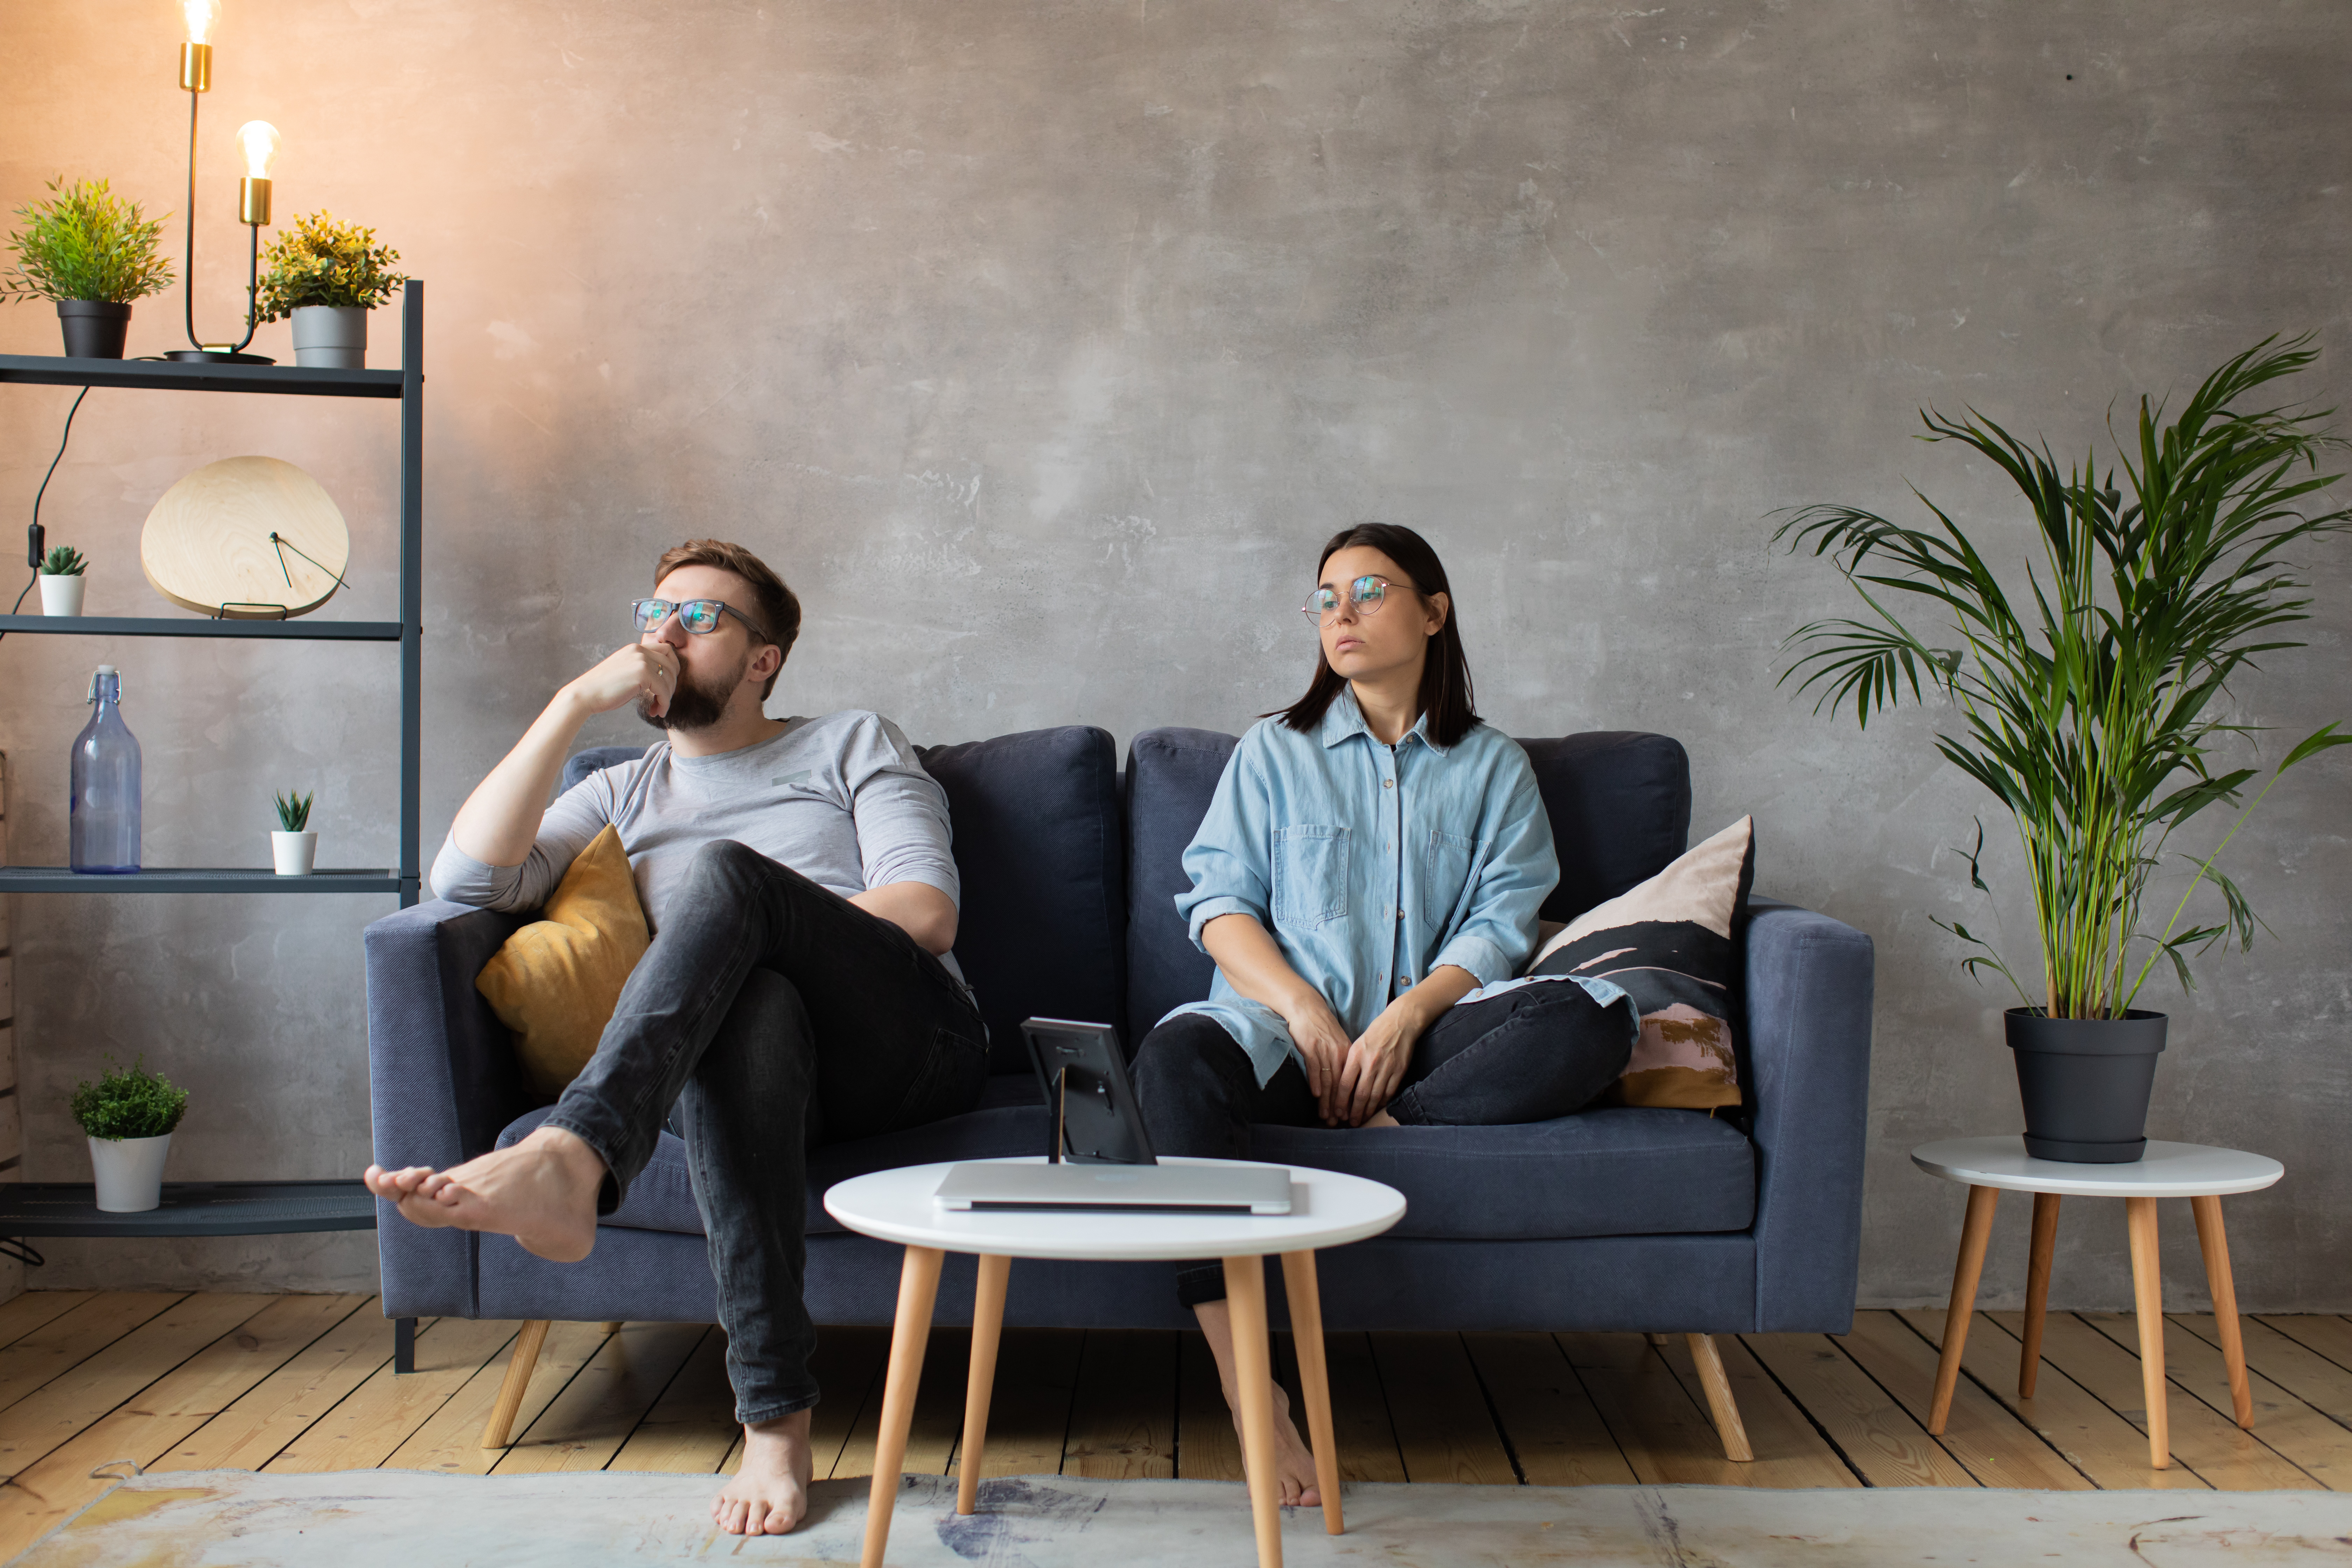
[842, 799]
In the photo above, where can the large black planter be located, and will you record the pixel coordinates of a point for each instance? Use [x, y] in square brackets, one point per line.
[2085, 1084]
[95, 329]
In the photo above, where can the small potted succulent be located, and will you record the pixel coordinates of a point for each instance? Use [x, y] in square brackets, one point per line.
[127, 1115]
[61, 581]
[327, 275]
[92, 254]
[294, 847]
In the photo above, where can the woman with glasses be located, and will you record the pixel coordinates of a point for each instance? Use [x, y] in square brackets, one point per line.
[1374, 855]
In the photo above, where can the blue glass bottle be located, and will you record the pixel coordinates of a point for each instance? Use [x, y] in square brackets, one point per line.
[104, 815]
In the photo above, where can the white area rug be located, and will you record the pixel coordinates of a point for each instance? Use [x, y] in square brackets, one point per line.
[395, 1518]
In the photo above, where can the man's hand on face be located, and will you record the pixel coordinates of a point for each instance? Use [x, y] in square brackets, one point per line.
[642, 672]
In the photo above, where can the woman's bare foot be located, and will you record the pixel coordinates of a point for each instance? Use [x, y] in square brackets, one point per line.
[541, 1191]
[769, 1496]
[1294, 1465]
[1382, 1118]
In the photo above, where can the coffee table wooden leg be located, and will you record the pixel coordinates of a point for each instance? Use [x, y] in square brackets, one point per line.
[1975, 1232]
[2147, 1295]
[919, 1287]
[2037, 1289]
[2216, 1246]
[1314, 1379]
[987, 1327]
[1254, 1371]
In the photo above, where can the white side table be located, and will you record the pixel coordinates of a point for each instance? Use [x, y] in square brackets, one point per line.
[1326, 1210]
[2203, 1175]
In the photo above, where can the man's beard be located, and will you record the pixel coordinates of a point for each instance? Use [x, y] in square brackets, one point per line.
[692, 706]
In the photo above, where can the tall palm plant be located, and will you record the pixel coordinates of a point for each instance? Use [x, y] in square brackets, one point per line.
[2093, 707]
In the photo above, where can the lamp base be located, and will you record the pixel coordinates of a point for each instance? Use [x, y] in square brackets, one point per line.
[216, 356]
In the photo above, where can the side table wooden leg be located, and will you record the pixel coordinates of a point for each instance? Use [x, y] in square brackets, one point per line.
[1314, 1380]
[987, 1328]
[2147, 1295]
[1975, 1232]
[2216, 1246]
[2037, 1289]
[919, 1287]
[1254, 1371]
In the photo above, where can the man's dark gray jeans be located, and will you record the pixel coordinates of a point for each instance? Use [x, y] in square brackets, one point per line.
[776, 1015]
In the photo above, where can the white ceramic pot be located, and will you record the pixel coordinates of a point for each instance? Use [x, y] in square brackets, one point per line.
[331, 337]
[61, 595]
[295, 853]
[130, 1173]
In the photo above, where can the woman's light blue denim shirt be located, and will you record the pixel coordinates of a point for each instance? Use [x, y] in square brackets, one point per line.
[1371, 865]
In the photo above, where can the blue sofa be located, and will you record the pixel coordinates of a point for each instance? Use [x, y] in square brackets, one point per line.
[1651, 1220]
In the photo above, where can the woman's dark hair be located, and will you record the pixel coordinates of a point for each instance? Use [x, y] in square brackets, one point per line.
[1445, 694]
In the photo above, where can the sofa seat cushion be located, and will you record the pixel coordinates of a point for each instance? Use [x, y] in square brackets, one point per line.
[1614, 1172]
[1009, 1119]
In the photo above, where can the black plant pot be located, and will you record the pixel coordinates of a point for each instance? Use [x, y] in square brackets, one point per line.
[94, 328]
[2085, 1084]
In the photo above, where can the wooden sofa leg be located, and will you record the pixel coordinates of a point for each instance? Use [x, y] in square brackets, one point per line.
[1719, 1403]
[1657, 1342]
[511, 1392]
[611, 1329]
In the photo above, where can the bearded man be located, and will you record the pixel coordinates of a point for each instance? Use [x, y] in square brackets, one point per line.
[815, 849]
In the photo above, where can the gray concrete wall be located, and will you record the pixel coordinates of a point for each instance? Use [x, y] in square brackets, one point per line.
[1039, 344]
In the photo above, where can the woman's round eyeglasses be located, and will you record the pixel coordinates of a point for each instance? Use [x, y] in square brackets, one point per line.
[1366, 594]
[699, 617]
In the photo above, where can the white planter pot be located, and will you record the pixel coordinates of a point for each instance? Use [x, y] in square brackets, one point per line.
[295, 853]
[130, 1173]
[331, 337]
[61, 595]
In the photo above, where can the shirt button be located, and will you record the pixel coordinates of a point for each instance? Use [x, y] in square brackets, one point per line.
[1404, 982]
[1388, 783]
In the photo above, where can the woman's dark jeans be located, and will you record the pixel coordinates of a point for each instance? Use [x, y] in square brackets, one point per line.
[1529, 1055]
[776, 1015]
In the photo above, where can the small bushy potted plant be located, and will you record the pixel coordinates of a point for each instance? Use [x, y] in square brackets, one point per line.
[2096, 698]
[61, 581]
[127, 1116]
[294, 847]
[92, 254]
[327, 275]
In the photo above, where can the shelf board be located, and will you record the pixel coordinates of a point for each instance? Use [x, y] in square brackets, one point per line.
[196, 626]
[189, 1208]
[192, 879]
[174, 375]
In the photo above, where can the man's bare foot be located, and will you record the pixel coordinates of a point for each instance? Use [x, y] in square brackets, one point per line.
[541, 1191]
[1294, 1466]
[769, 1496]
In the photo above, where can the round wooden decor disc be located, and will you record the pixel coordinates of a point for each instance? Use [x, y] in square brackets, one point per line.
[207, 544]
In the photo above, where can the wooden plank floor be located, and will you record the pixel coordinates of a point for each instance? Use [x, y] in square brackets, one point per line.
[305, 1383]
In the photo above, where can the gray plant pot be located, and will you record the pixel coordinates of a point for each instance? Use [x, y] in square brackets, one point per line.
[331, 337]
[94, 329]
[2086, 1083]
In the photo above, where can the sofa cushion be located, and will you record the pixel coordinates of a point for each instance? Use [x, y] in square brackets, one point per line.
[1170, 775]
[554, 981]
[1041, 848]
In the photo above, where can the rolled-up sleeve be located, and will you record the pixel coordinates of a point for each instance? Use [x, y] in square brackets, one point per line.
[1228, 857]
[1499, 932]
[568, 827]
[901, 813]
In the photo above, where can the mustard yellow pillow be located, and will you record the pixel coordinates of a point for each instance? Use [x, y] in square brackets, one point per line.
[555, 980]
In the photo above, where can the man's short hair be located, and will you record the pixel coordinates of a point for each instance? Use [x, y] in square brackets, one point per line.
[775, 606]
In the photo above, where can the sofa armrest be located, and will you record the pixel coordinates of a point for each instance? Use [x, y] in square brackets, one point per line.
[1809, 983]
[442, 1081]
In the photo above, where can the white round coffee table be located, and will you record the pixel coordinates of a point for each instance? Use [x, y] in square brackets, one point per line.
[2204, 1175]
[1327, 1209]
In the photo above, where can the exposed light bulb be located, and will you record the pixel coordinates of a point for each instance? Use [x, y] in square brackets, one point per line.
[258, 139]
[201, 15]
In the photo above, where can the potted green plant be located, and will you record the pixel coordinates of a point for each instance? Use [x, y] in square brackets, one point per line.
[93, 254]
[61, 581]
[327, 275]
[294, 847]
[2096, 706]
[127, 1116]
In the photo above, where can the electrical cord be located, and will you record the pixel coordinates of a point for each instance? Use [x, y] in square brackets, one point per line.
[34, 533]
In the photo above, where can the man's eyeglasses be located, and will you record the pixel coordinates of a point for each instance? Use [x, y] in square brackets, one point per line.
[699, 617]
[1366, 594]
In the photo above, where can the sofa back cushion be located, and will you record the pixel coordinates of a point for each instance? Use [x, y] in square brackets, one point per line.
[1618, 800]
[1042, 852]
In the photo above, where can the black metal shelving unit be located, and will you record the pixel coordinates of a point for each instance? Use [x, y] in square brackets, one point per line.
[246, 1208]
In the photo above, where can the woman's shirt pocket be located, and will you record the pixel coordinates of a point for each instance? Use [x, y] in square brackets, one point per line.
[1445, 878]
[1310, 876]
